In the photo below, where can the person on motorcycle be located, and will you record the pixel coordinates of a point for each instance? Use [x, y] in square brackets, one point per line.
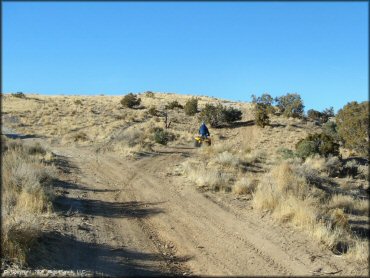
[203, 130]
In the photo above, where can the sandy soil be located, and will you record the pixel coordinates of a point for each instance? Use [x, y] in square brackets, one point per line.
[126, 216]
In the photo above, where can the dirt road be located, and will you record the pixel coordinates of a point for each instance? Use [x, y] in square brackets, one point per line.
[137, 217]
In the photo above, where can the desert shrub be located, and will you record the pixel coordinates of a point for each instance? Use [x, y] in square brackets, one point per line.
[321, 144]
[353, 126]
[162, 136]
[333, 166]
[191, 107]
[219, 115]
[80, 136]
[330, 128]
[261, 115]
[291, 105]
[232, 114]
[363, 171]
[350, 168]
[314, 115]
[286, 153]
[327, 113]
[245, 186]
[130, 100]
[78, 102]
[36, 149]
[153, 111]
[174, 104]
[149, 94]
[19, 95]
[320, 117]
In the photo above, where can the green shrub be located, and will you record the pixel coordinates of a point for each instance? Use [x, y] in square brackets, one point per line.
[321, 144]
[174, 104]
[19, 95]
[78, 102]
[149, 94]
[219, 115]
[286, 153]
[191, 107]
[162, 137]
[153, 111]
[314, 115]
[36, 149]
[130, 100]
[232, 114]
[353, 126]
[331, 129]
[291, 105]
[261, 115]
[320, 117]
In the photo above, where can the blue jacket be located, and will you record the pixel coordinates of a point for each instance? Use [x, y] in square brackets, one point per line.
[203, 130]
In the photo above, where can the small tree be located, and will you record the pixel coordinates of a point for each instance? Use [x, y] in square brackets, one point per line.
[191, 107]
[291, 105]
[130, 100]
[353, 126]
[266, 100]
[263, 107]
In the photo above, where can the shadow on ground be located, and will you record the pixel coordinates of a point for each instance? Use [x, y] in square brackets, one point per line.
[132, 209]
[63, 252]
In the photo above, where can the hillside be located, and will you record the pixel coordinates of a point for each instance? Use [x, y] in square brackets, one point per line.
[124, 204]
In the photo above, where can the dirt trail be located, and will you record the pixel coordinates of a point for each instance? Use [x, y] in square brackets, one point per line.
[135, 217]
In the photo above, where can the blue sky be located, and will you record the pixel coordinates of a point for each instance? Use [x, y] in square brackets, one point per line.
[226, 50]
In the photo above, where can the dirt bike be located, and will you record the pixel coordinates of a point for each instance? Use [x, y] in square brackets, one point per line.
[199, 140]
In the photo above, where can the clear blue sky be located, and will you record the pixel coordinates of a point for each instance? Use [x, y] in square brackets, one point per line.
[227, 50]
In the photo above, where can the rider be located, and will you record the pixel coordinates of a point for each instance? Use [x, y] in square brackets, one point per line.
[203, 130]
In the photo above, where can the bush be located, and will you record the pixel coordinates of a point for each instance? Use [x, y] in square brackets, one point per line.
[191, 107]
[321, 144]
[261, 115]
[286, 153]
[162, 137]
[174, 104]
[36, 149]
[333, 166]
[232, 114]
[130, 100]
[149, 94]
[291, 105]
[353, 125]
[153, 111]
[330, 128]
[78, 102]
[320, 117]
[314, 115]
[219, 115]
[19, 95]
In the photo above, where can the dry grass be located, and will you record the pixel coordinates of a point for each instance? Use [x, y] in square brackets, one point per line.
[287, 193]
[349, 204]
[26, 196]
[245, 185]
